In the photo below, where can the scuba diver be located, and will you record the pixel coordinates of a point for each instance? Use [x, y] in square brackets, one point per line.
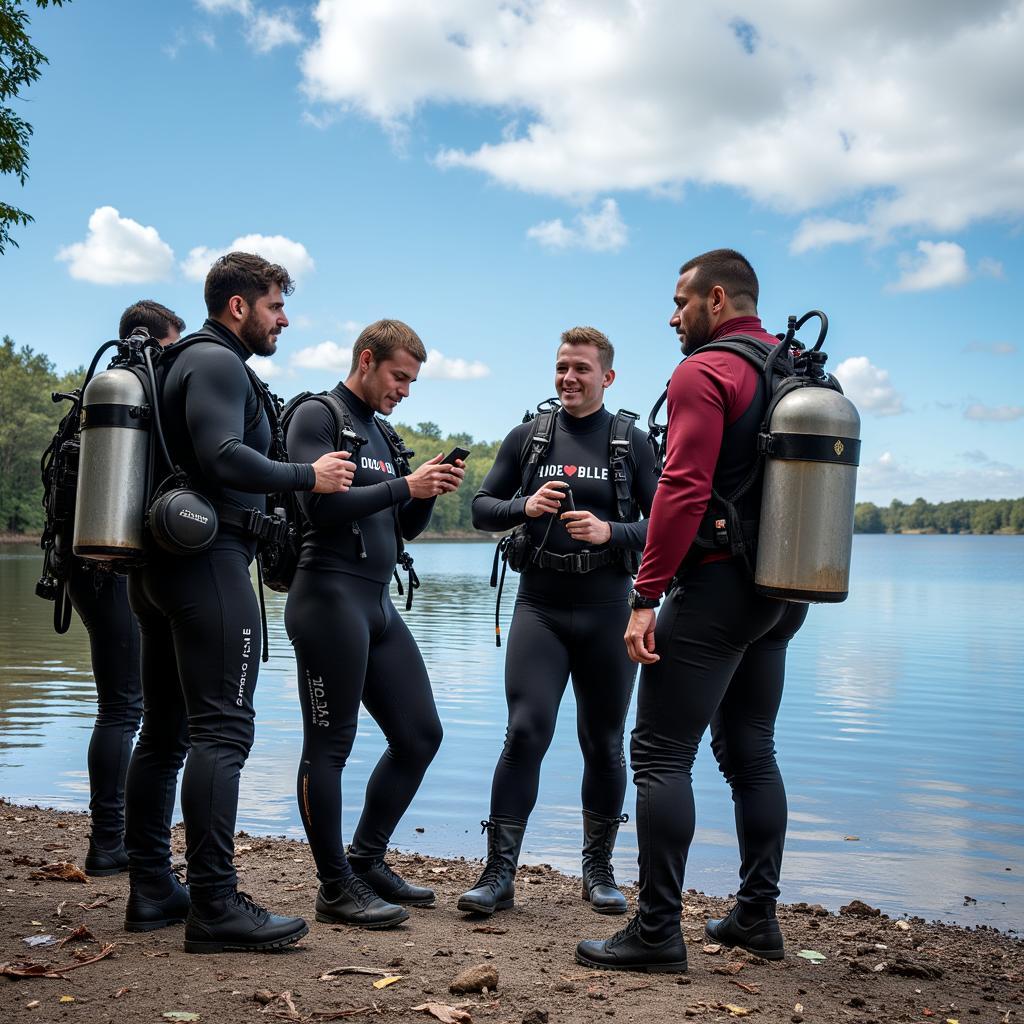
[718, 655]
[101, 600]
[573, 482]
[350, 643]
[200, 622]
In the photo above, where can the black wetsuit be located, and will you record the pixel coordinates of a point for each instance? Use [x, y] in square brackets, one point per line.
[200, 620]
[350, 643]
[101, 600]
[566, 624]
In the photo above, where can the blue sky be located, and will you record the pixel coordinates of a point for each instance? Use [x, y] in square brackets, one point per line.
[493, 175]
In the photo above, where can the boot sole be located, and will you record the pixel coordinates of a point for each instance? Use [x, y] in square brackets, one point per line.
[194, 946]
[764, 954]
[412, 903]
[104, 872]
[468, 907]
[602, 910]
[152, 926]
[372, 926]
[674, 968]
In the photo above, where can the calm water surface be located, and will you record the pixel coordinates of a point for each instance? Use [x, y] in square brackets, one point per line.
[902, 725]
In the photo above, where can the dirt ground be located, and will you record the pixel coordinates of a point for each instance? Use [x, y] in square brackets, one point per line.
[875, 969]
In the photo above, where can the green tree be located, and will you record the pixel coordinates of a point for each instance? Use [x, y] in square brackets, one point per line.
[867, 518]
[20, 65]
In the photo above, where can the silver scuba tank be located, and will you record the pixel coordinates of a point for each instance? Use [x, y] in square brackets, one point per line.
[810, 478]
[113, 467]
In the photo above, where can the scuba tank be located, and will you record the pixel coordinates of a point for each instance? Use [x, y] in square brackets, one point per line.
[811, 446]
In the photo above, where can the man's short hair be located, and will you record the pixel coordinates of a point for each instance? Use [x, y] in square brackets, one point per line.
[244, 274]
[727, 268]
[157, 319]
[591, 336]
[385, 337]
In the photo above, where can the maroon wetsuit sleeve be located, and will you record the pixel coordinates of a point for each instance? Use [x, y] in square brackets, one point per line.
[706, 393]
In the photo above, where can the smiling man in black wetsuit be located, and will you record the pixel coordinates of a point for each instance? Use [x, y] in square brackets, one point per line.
[569, 615]
[200, 622]
[101, 600]
[350, 643]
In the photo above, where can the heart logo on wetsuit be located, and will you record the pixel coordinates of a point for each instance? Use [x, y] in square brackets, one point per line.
[570, 470]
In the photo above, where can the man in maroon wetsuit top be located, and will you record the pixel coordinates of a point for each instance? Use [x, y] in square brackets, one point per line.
[718, 654]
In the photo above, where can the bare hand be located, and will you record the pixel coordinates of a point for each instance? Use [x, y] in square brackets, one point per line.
[547, 499]
[586, 527]
[433, 478]
[334, 472]
[640, 636]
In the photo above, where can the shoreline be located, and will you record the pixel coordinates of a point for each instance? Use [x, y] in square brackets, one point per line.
[875, 968]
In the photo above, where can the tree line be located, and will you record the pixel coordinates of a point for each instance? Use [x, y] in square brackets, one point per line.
[28, 418]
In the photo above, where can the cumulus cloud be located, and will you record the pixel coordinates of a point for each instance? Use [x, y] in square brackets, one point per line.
[441, 367]
[601, 230]
[265, 368]
[293, 256]
[263, 30]
[869, 387]
[118, 250]
[938, 265]
[328, 355]
[887, 477]
[994, 348]
[994, 413]
[653, 94]
[819, 233]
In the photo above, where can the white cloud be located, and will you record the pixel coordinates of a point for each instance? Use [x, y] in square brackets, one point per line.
[293, 256]
[869, 387]
[243, 7]
[886, 478]
[940, 265]
[994, 413]
[118, 250]
[816, 233]
[441, 367]
[655, 94]
[995, 348]
[266, 368]
[601, 230]
[328, 355]
[264, 31]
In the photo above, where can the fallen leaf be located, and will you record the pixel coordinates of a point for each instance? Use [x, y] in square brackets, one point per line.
[39, 940]
[733, 967]
[384, 982]
[184, 1015]
[811, 954]
[445, 1013]
[60, 871]
[33, 1005]
[81, 933]
[712, 948]
[123, 991]
[155, 953]
[736, 1011]
[61, 906]
[952, 1020]
[101, 901]
[281, 999]
[751, 990]
[66, 999]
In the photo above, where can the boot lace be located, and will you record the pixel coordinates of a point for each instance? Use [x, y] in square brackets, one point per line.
[623, 934]
[360, 891]
[393, 877]
[493, 869]
[244, 901]
[599, 864]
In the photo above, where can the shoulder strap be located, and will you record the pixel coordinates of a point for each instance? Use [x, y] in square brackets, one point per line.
[620, 447]
[535, 447]
[755, 352]
[400, 452]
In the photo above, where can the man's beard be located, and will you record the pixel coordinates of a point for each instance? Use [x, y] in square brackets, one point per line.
[698, 335]
[256, 338]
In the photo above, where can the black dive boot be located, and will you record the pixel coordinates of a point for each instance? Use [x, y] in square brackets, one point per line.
[628, 950]
[155, 903]
[495, 888]
[599, 886]
[106, 860]
[236, 923]
[351, 901]
[388, 884]
[754, 929]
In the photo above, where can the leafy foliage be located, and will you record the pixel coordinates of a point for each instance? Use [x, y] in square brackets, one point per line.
[1004, 515]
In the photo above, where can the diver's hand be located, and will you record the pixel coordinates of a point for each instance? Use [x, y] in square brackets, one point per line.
[548, 499]
[433, 478]
[640, 636]
[334, 472]
[586, 527]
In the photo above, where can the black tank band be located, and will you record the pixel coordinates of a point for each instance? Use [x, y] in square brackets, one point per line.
[133, 417]
[844, 451]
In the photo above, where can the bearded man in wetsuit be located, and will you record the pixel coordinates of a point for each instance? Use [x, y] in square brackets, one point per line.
[200, 620]
[350, 643]
[718, 653]
[569, 614]
[101, 600]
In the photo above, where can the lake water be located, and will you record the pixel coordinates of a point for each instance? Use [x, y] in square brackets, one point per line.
[902, 725]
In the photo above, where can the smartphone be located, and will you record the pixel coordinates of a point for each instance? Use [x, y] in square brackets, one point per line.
[570, 505]
[456, 453]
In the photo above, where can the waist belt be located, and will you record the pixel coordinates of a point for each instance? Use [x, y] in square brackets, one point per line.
[254, 523]
[580, 562]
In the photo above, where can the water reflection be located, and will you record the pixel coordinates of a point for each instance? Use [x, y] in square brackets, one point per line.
[901, 726]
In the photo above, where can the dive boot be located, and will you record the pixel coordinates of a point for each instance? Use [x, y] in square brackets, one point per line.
[388, 884]
[754, 929]
[599, 886]
[352, 901]
[236, 923]
[495, 888]
[628, 950]
[106, 860]
[155, 903]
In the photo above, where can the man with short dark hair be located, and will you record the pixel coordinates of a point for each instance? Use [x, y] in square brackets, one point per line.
[101, 600]
[718, 655]
[340, 592]
[200, 622]
[579, 529]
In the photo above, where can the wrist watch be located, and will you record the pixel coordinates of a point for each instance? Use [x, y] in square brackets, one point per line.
[637, 600]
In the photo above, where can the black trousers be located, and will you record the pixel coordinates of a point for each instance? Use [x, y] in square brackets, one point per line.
[352, 647]
[101, 600]
[723, 660]
[201, 645]
[548, 643]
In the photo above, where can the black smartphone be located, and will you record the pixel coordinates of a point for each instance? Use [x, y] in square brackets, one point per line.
[570, 505]
[455, 453]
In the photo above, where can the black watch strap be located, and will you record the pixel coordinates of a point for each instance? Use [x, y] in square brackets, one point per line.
[638, 600]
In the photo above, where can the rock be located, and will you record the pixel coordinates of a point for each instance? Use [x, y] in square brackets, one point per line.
[536, 1017]
[475, 979]
[858, 908]
[814, 909]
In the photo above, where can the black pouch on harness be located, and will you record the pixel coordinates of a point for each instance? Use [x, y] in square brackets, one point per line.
[182, 521]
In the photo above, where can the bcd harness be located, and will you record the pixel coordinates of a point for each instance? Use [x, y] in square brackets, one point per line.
[281, 558]
[516, 551]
